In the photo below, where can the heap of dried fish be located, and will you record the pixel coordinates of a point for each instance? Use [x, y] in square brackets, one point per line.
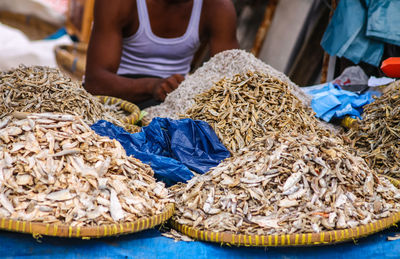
[298, 184]
[249, 106]
[55, 169]
[43, 89]
[377, 139]
[225, 64]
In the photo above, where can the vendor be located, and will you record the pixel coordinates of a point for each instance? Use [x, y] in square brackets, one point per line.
[140, 50]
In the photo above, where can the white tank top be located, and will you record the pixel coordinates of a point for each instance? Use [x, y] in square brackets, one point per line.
[147, 54]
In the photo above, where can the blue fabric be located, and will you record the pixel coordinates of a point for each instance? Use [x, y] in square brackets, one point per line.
[150, 244]
[331, 102]
[384, 20]
[346, 36]
[170, 147]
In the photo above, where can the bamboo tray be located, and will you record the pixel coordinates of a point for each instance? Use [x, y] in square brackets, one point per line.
[59, 230]
[71, 59]
[307, 239]
[394, 181]
[133, 109]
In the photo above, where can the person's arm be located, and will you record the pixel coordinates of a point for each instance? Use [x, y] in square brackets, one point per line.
[221, 27]
[103, 58]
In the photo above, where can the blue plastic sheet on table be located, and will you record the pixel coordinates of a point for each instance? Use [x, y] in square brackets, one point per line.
[346, 36]
[383, 21]
[331, 101]
[150, 244]
[170, 147]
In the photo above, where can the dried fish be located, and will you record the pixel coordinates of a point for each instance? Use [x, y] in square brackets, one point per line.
[225, 64]
[377, 138]
[248, 106]
[84, 182]
[43, 89]
[322, 201]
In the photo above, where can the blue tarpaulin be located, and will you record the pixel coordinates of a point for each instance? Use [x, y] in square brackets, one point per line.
[170, 147]
[330, 101]
[150, 244]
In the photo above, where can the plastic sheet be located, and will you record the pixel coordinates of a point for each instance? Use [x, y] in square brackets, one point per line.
[150, 244]
[170, 147]
[331, 102]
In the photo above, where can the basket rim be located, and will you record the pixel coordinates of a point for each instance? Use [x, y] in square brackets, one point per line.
[127, 106]
[394, 181]
[107, 230]
[286, 240]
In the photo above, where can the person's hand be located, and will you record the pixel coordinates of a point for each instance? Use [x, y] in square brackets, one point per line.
[165, 86]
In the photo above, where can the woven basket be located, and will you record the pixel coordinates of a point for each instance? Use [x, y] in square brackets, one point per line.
[394, 181]
[71, 59]
[59, 230]
[129, 107]
[33, 27]
[145, 121]
[307, 239]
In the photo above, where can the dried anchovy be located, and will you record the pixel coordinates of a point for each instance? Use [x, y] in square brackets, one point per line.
[43, 89]
[247, 107]
[297, 184]
[225, 64]
[377, 138]
[55, 169]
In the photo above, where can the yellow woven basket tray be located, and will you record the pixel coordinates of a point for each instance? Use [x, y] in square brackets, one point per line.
[394, 181]
[71, 59]
[86, 232]
[307, 239]
[133, 109]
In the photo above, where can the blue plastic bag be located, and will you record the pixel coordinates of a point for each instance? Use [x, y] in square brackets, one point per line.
[170, 147]
[331, 102]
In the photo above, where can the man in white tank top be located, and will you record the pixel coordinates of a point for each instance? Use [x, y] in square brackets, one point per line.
[140, 50]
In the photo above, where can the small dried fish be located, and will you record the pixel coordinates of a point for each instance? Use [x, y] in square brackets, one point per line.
[377, 138]
[43, 89]
[224, 64]
[326, 195]
[90, 183]
[248, 106]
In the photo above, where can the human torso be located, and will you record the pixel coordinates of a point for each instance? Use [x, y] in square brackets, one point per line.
[161, 39]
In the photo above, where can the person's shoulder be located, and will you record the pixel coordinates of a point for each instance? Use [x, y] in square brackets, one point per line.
[223, 4]
[120, 7]
[220, 7]
[116, 9]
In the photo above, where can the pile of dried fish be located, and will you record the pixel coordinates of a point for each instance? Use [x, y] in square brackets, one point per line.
[377, 138]
[298, 184]
[225, 64]
[249, 106]
[55, 169]
[43, 89]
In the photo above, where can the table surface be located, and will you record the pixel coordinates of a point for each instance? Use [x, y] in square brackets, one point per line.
[150, 244]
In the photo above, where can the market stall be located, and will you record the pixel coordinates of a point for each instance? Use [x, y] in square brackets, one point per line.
[238, 161]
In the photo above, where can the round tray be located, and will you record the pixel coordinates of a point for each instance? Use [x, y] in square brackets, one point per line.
[394, 181]
[71, 59]
[129, 107]
[306, 239]
[60, 230]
